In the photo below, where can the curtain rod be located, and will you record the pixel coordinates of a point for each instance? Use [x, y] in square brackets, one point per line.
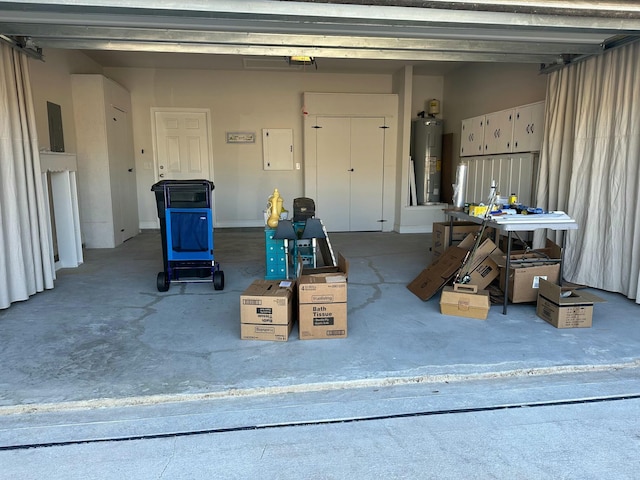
[610, 44]
[21, 44]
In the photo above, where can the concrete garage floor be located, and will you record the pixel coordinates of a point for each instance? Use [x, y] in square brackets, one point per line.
[106, 344]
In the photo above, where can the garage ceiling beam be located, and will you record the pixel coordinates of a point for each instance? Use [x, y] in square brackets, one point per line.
[97, 35]
[531, 31]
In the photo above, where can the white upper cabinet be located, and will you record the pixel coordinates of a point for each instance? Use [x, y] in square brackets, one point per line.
[528, 127]
[513, 130]
[498, 132]
[472, 136]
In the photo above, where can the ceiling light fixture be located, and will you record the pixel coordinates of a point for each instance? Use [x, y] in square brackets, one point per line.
[301, 60]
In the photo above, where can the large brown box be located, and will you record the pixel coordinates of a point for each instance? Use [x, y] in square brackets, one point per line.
[322, 320]
[322, 301]
[565, 309]
[527, 271]
[266, 310]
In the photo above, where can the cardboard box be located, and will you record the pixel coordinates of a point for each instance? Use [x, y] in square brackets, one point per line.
[482, 270]
[276, 333]
[324, 284]
[322, 301]
[526, 273]
[322, 320]
[437, 275]
[465, 301]
[441, 231]
[565, 309]
[266, 310]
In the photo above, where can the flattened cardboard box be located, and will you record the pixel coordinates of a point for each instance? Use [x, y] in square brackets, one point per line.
[322, 320]
[465, 301]
[483, 270]
[435, 276]
[266, 310]
[325, 284]
[572, 311]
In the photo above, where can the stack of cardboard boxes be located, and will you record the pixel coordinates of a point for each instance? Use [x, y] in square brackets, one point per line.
[532, 277]
[266, 310]
[318, 298]
[322, 298]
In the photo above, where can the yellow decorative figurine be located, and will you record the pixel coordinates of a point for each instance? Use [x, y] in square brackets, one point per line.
[275, 207]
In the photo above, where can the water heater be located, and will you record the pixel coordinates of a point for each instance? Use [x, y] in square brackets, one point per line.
[426, 152]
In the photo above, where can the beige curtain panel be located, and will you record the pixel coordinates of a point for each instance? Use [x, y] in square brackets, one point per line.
[590, 167]
[26, 256]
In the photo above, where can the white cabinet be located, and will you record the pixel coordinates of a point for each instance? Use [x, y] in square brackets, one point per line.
[517, 129]
[472, 136]
[528, 127]
[106, 175]
[498, 132]
[277, 148]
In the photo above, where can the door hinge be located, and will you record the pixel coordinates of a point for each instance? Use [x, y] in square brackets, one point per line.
[316, 126]
[381, 220]
[384, 126]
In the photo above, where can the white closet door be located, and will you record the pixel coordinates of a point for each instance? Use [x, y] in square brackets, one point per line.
[367, 159]
[123, 177]
[350, 161]
[333, 176]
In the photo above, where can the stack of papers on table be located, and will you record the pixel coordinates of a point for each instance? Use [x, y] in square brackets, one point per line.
[532, 217]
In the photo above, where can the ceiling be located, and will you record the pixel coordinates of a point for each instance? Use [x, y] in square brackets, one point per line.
[373, 36]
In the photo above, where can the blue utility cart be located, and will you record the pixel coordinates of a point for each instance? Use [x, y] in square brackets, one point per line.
[186, 224]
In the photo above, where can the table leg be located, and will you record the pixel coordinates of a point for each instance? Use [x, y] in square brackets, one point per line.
[564, 241]
[506, 280]
[450, 230]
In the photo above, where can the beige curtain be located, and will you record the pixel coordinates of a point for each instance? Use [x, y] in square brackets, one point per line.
[590, 167]
[26, 262]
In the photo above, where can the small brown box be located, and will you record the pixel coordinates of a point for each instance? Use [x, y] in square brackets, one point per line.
[465, 301]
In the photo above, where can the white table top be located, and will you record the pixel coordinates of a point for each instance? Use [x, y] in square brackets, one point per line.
[522, 223]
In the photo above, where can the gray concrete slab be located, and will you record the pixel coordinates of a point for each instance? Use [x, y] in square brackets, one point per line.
[105, 333]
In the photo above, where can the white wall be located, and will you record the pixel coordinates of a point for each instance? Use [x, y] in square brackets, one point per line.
[252, 100]
[50, 82]
[238, 101]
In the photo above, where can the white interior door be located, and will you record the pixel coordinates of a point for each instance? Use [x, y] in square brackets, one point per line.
[182, 145]
[350, 158]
